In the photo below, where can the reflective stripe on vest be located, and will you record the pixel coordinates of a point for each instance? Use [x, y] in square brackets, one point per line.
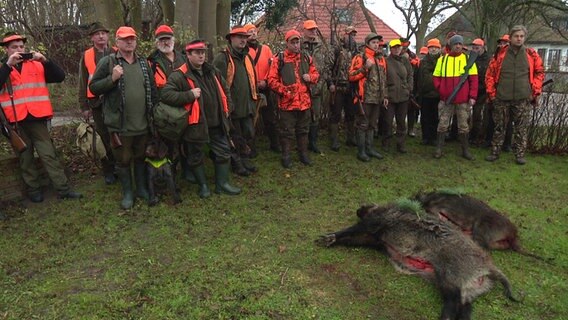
[249, 66]
[30, 93]
[91, 65]
[194, 107]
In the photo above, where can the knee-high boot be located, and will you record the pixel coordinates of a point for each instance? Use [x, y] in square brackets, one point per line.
[333, 133]
[464, 139]
[141, 180]
[371, 151]
[361, 142]
[222, 184]
[439, 144]
[201, 180]
[125, 179]
[313, 139]
[302, 141]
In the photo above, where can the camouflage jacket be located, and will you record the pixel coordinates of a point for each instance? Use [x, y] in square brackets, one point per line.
[340, 67]
[323, 63]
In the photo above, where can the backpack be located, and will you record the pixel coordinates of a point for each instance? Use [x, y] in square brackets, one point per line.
[89, 142]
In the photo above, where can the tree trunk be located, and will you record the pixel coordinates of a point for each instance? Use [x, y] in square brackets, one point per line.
[135, 14]
[106, 12]
[208, 22]
[223, 16]
[367, 16]
[187, 16]
[168, 10]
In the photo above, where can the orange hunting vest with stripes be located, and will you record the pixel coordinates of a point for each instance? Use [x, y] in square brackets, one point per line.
[194, 107]
[30, 93]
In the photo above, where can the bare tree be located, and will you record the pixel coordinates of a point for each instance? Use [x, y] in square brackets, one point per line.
[419, 14]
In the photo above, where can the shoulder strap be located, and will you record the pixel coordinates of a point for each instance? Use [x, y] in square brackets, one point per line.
[280, 61]
[257, 56]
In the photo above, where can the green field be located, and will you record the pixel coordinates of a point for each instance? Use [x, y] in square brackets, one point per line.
[253, 256]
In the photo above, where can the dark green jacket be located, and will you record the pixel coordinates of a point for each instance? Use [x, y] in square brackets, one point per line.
[177, 93]
[244, 105]
[102, 84]
[425, 82]
[400, 78]
[158, 60]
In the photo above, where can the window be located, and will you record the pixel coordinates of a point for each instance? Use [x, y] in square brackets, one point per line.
[553, 59]
[542, 54]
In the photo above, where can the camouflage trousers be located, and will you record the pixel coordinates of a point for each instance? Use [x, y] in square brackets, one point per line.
[519, 112]
[447, 111]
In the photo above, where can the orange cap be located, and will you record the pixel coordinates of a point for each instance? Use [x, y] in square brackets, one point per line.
[434, 43]
[424, 50]
[237, 31]
[12, 36]
[125, 32]
[310, 24]
[164, 31]
[478, 42]
[249, 26]
[292, 34]
[505, 38]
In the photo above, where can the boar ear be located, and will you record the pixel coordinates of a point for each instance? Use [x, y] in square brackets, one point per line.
[364, 210]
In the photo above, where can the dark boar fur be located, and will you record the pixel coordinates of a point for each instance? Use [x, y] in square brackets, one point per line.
[157, 151]
[489, 228]
[420, 244]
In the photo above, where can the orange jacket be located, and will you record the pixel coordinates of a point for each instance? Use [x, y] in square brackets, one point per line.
[536, 72]
[194, 107]
[30, 93]
[297, 95]
[262, 65]
[358, 73]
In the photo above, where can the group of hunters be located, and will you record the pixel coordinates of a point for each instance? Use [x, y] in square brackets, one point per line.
[220, 101]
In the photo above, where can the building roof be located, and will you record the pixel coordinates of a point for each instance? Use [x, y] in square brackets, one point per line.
[348, 12]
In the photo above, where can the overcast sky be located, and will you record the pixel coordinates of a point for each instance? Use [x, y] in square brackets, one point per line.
[386, 10]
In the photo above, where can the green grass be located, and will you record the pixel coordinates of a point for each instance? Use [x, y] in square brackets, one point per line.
[253, 256]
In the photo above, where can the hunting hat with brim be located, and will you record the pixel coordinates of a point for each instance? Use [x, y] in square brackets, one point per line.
[310, 24]
[372, 36]
[96, 27]
[11, 36]
[237, 31]
[350, 29]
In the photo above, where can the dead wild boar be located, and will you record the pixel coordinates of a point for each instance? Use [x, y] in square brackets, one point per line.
[489, 228]
[418, 243]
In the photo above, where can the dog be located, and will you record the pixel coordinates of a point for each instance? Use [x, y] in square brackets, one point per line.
[160, 170]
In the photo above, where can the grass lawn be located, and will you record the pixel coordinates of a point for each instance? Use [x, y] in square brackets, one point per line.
[253, 256]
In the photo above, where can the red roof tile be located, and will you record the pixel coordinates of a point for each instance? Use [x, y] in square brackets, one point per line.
[321, 11]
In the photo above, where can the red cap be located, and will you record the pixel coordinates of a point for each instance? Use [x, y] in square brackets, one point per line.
[292, 34]
[478, 42]
[201, 45]
[424, 50]
[505, 38]
[125, 32]
[164, 31]
[434, 43]
[310, 24]
[9, 37]
[237, 31]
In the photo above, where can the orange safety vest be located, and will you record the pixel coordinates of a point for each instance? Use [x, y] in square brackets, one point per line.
[249, 66]
[91, 65]
[160, 77]
[30, 93]
[194, 107]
